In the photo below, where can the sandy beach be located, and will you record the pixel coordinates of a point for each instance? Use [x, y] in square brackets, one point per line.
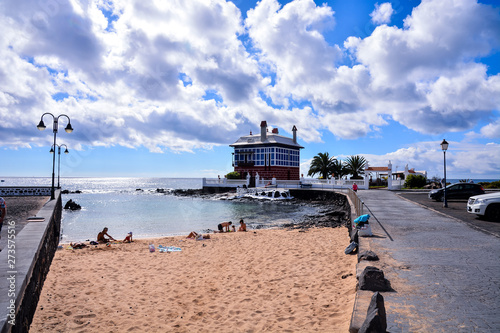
[262, 280]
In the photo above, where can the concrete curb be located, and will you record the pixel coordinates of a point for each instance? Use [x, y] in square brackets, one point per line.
[363, 297]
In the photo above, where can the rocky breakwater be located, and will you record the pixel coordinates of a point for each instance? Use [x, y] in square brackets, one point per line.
[334, 209]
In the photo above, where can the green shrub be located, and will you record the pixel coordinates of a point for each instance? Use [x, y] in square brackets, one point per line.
[415, 181]
[233, 175]
[495, 184]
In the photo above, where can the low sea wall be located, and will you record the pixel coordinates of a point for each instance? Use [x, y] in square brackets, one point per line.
[24, 264]
[25, 190]
[218, 189]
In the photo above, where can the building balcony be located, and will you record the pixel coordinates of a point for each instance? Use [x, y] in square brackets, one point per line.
[245, 164]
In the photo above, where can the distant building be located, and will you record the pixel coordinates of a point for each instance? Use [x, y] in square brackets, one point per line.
[268, 154]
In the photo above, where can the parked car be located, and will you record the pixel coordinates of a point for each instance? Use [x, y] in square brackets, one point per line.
[485, 206]
[457, 191]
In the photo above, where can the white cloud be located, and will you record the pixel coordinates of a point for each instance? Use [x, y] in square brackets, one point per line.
[142, 75]
[463, 160]
[382, 13]
[291, 44]
[123, 77]
[423, 76]
[492, 130]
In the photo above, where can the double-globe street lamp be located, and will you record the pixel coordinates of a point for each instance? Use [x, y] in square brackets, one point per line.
[59, 159]
[444, 147]
[41, 126]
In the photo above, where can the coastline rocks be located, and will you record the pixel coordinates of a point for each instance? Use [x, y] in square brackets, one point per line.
[334, 207]
[187, 192]
[71, 205]
[373, 279]
[368, 255]
[72, 192]
[433, 185]
[376, 318]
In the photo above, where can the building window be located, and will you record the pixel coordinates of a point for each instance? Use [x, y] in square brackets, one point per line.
[267, 156]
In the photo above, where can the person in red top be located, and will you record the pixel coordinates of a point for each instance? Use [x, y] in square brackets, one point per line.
[355, 187]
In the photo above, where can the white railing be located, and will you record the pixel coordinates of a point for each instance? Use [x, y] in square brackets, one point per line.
[223, 182]
[308, 182]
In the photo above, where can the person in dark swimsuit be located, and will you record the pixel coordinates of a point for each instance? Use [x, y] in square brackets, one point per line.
[224, 225]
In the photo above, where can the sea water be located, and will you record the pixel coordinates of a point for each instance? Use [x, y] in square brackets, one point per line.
[134, 204]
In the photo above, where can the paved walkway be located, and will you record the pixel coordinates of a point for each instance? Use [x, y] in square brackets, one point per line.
[446, 275]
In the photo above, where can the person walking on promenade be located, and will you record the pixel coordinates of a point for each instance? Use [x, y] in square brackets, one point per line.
[355, 187]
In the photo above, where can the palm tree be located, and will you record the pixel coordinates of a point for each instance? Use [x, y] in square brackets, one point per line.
[355, 165]
[339, 170]
[322, 164]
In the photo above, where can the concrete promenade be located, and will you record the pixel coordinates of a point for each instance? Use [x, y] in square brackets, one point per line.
[446, 275]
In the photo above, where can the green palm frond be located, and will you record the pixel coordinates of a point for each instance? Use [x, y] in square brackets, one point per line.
[322, 164]
[355, 165]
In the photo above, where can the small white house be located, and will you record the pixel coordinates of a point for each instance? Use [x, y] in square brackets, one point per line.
[395, 180]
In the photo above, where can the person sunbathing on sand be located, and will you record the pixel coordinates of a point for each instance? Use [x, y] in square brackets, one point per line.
[225, 225]
[77, 245]
[102, 239]
[243, 226]
[128, 238]
[197, 236]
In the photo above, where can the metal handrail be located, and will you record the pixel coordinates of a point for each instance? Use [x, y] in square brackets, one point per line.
[356, 202]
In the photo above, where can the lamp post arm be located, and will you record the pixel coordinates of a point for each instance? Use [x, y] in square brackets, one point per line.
[64, 115]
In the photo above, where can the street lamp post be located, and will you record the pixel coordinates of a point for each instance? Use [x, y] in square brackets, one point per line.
[59, 160]
[444, 147]
[41, 126]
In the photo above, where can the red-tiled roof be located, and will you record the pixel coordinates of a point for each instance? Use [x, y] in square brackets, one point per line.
[377, 169]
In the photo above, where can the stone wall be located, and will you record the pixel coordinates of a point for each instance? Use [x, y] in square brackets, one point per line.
[34, 247]
[336, 199]
[218, 189]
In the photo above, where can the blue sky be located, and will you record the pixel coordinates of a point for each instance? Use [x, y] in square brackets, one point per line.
[162, 89]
